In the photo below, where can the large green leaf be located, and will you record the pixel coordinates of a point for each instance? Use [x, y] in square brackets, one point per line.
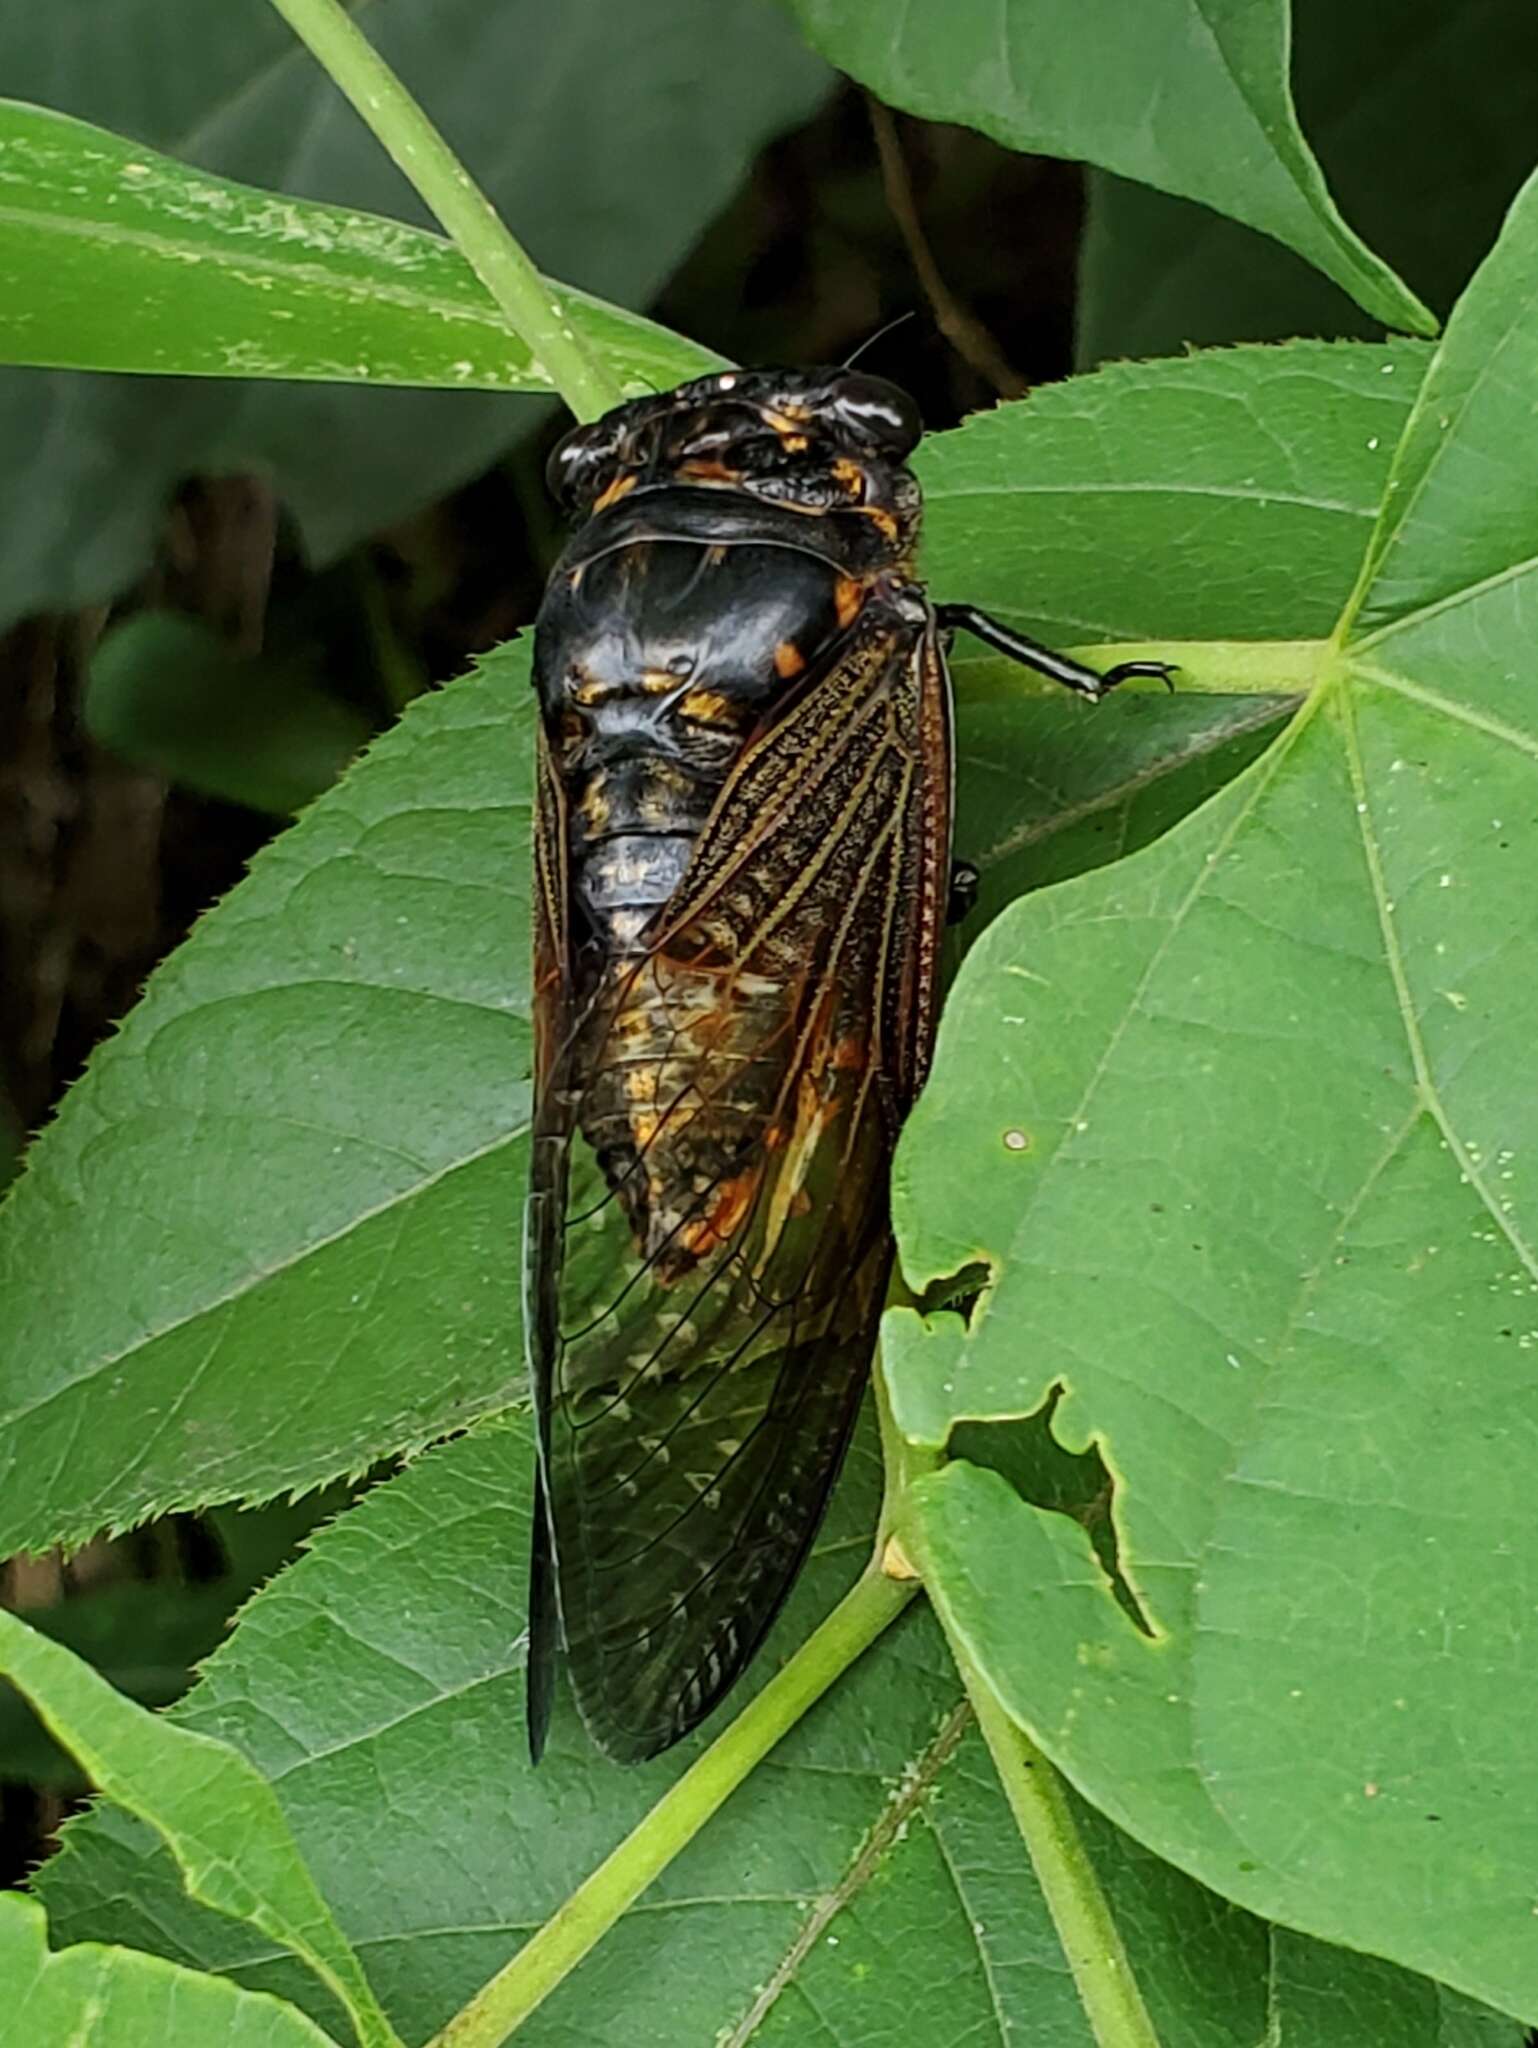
[1191, 96]
[115, 258]
[1245, 1131]
[1228, 497]
[216, 1814]
[1224, 503]
[866, 1885]
[599, 132]
[1159, 275]
[293, 1177]
[1045, 792]
[113, 1998]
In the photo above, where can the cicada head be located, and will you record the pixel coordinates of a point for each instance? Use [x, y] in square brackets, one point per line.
[815, 441]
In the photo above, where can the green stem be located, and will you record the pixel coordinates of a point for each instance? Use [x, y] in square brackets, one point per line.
[1091, 1940]
[901, 1462]
[871, 1605]
[531, 307]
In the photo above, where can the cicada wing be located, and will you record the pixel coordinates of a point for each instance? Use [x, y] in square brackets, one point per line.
[553, 1009]
[714, 1276]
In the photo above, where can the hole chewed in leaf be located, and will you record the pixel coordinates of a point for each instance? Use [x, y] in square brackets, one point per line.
[960, 1291]
[1077, 1484]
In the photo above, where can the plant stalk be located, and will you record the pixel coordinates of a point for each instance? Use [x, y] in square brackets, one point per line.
[1080, 1911]
[504, 2003]
[530, 306]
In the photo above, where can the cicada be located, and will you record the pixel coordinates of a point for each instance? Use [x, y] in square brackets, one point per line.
[742, 875]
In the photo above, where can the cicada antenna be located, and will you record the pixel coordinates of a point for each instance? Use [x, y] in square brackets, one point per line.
[880, 334]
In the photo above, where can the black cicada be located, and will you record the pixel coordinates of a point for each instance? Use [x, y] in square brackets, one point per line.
[743, 863]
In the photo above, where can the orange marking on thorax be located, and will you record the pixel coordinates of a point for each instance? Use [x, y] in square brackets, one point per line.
[848, 596]
[709, 469]
[704, 704]
[850, 476]
[788, 660]
[612, 494]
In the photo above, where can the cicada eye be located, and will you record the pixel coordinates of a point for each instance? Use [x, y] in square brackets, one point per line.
[572, 471]
[878, 412]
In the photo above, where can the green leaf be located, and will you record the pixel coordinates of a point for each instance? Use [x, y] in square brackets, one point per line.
[115, 258]
[167, 694]
[115, 1998]
[1158, 275]
[1224, 498]
[1223, 503]
[866, 1884]
[214, 1811]
[146, 1636]
[1243, 1128]
[1328, 1998]
[1454, 534]
[1045, 792]
[607, 145]
[294, 1175]
[1037, 75]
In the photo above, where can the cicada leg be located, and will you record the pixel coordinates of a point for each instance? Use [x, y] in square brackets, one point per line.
[1073, 675]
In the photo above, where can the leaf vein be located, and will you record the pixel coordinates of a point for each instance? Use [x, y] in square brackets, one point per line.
[1464, 714]
[250, 1281]
[1426, 1084]
[914, 1788]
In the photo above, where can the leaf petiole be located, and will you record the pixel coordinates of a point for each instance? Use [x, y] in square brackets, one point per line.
[872, 1604]
[532, 308]
[1091, 1940]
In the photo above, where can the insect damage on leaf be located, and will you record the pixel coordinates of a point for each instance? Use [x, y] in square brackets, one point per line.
[1078, 1484]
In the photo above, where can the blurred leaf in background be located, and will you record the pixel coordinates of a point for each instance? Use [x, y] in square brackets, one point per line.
[147, 1633]
[166, 693]
[1189, 96]
[1423, 117]
[145, 1609]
